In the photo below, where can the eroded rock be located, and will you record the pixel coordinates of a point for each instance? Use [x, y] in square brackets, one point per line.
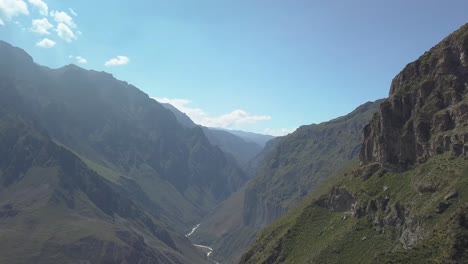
[426, 112]
[337, 200]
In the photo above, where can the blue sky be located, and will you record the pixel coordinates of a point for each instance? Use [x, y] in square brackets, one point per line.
[267, 66]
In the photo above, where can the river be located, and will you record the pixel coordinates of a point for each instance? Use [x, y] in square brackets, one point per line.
[208, 250]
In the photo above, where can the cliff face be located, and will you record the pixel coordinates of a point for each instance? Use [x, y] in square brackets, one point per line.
[301, 161]
[426, 112]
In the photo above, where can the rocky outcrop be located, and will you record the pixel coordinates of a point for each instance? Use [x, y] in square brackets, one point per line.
[427, 109]
[382, 214]
[337, 200]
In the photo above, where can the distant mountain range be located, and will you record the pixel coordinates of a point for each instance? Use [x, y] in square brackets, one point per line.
[242, 146]
[260, 139]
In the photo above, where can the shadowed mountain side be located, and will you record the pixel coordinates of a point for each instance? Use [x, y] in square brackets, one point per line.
[125, 136]
[54, 209]
[241, 148]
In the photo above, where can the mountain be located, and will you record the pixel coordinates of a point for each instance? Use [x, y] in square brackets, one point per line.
[407, 200]
[133, 140]
[292, 167]
[260, 139]
[256, 162]
[242, 149]
[183, 118]
[173, 174]
[55, 209]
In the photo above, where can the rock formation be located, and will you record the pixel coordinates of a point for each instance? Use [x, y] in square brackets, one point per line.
[427, 110]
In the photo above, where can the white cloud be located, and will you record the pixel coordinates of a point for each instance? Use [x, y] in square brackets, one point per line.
[278, 132]
[117, 61]
[78, 59]
[65, 24]
[230, 120]
[2, 23]
[41, 6]
[72, 12]
[12, 8]
[41, 26]
[81, 60]
[65, 33]
[46, 43]
[63, 17]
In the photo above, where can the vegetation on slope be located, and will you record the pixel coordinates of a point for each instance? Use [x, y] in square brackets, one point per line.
[392, 220]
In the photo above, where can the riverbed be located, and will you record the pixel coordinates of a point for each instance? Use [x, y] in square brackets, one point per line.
[206, 249]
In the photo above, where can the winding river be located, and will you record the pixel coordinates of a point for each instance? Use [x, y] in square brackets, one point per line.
[206, 249]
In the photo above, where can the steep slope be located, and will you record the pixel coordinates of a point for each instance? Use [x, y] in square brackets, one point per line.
[256, 162]
[407, 202]
[183, 118]
[425, 111]
[240, 149]
[54, 209]
[121, 133]
[295, 166]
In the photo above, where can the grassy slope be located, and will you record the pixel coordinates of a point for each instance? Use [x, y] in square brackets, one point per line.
[312, 234]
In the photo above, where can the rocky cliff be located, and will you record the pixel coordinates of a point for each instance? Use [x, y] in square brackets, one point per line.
[426, 112]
